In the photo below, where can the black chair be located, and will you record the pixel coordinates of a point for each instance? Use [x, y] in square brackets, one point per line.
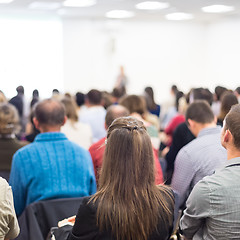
[37, 219]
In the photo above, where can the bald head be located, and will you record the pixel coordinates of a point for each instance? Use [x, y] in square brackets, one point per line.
[115, 111]
[50, 113]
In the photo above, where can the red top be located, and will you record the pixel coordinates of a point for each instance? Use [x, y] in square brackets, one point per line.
[97, 151]
[173, 125]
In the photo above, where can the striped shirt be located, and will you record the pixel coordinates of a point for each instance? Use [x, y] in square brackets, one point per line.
[199, 158]
[213, 207]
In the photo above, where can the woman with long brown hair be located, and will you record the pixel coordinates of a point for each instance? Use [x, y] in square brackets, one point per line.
[128, 205]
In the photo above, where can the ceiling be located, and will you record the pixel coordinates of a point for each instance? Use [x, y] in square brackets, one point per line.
[97, 12]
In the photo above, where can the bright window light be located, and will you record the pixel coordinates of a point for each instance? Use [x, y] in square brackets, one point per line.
[218, 9]
[6, 1]
[79, 3]
[31, 55]
[152, 5]
[178, 16]
[119, 14]
[44, 5]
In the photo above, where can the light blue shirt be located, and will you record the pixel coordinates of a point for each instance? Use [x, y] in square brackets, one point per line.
[50, 167]
[213, 207]
[199, 158]
[95, 117]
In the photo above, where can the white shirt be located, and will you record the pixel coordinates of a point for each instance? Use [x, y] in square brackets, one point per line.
[9, 228]
[78, 132]
[95, 117]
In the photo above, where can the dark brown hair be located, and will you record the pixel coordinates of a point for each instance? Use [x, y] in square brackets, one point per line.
[129, 202]
[200, 111]
[70, 108]
[232, 123]
[227, 101]
[94, 96]
[134, 103]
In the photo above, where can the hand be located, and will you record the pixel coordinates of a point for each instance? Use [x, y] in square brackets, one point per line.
[67, 221]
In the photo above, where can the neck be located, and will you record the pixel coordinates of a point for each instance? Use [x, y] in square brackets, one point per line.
[50, 129]
[232, 152]
[206, 125]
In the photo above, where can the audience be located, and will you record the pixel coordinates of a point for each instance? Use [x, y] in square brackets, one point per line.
[51, 166]
[75, 131]
[200, 157]
[128, 205]
[19, 101]
[228, 99]
[9, 144]
[125, 163]
[35, 98]
[94, 111]
[213, 207]
[136, 105]
[9, 228]
[216, 105]
[98, 148]
[182, 135]
[152, 107]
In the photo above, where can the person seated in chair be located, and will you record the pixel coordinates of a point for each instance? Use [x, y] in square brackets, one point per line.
[52, 166]
[128, 205]
[9, 228]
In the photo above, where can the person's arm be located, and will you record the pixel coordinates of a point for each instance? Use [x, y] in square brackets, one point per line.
[85, 223]
[9, 228]
[16, 182]
[182, 176]
[197, 210]
[92, 179]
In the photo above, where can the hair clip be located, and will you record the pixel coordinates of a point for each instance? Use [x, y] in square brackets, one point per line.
[106, 141]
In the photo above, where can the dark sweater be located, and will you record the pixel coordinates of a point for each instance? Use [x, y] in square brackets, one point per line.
[85, 227]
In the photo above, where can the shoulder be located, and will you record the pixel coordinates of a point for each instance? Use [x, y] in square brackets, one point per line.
[3, 188]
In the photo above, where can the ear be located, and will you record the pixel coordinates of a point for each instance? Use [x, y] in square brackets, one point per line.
[227, 136]
[36, 123]
[191, 123]
[64, 121]
[215, 119]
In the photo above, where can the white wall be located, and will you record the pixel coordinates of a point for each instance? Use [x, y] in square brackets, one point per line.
[155, 54]
[30, 55]
[77, 55]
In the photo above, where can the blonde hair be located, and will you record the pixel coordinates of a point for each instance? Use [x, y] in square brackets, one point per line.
[129, 202]
[2, 97]
[9, 119]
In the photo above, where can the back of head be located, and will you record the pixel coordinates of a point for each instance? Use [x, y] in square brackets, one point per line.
[35, 93]
[113, 112]
[127, 182]
[50, 112]
[70, 108]
[219, 90]
[94, 97]
[2, 97]
[9, 119]
[80, 99]
[203, 94]
[200, 111]
[237, 90]
[134, 104]
[227, 101]
[149, 92]
[232, 123]
[20, 90]
[174, 89]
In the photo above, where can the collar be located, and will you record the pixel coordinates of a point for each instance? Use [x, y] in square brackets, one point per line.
[50, 136]
[232, 161]
[209, 131]
[7, 136]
